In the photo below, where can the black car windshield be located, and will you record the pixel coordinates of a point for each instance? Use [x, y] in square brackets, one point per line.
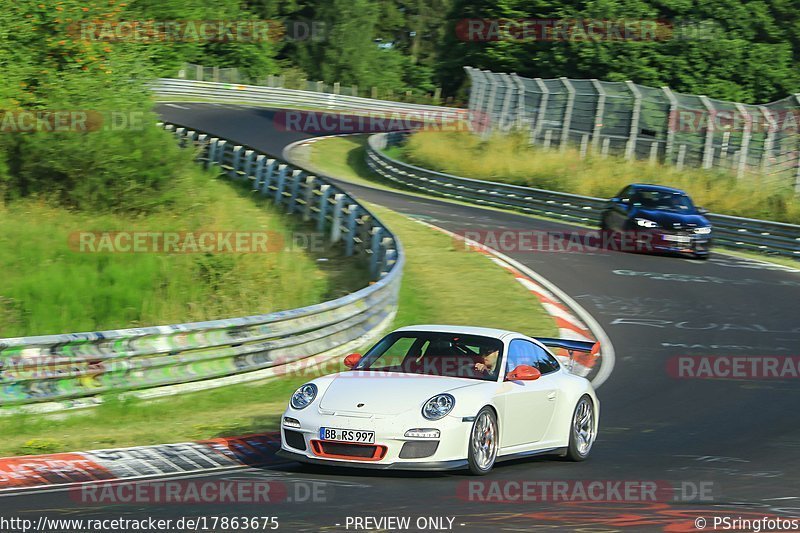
[435, 354]
[664, 200]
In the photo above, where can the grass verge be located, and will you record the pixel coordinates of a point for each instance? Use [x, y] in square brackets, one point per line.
[509, 159]
[50, 286]
[481, 294]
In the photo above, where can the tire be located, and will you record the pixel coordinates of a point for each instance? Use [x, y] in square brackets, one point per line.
[482, 446]
[581, 435]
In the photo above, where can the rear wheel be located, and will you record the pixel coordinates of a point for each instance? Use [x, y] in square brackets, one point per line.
[482, 449]
[582, 430]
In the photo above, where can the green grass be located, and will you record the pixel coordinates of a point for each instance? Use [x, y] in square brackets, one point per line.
[509, 159]
[481, 294]
[48, 286]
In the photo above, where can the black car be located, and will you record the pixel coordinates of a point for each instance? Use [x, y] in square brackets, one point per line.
[659, 219]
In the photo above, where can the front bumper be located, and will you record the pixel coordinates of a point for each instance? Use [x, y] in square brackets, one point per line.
[677, 242]
[455, 464]
[391, 449]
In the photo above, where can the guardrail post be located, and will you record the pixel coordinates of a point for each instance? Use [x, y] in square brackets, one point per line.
[297, 176]
[266, 180]
[212, 152]
[375, 247]
[350, 238]
[745, 145]
[323, 207]
[770, 139]
[336, 218]
[282, 171]
[542, 112]
[598, 115]
[633, 135]
[311, 182]
[249, 156]
[708, 146]
[258, 175]
[797, 173]
[237, 161]
[222, 144]
[389, 256]
[672, 123]
[566, 122]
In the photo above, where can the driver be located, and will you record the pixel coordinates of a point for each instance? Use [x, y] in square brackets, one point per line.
[488, 361]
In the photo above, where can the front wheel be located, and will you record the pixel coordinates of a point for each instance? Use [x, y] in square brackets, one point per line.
[482, 449]
[582, 430]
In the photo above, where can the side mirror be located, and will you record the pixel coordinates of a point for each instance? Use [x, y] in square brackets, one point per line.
[352, 360]
[702, 210]
[523, 373]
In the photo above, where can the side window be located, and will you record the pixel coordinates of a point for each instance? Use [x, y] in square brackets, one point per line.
[522, 352]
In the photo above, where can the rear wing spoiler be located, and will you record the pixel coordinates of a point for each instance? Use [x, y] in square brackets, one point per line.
[571, 345]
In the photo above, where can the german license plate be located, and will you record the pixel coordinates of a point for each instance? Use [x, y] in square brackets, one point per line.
[347, 435]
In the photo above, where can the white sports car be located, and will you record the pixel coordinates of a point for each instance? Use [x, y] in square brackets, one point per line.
[444, 397]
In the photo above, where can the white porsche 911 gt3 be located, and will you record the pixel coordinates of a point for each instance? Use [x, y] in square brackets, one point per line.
[444, 397]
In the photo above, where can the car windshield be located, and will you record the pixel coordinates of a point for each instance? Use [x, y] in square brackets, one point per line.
[664, 200]
[435, 354]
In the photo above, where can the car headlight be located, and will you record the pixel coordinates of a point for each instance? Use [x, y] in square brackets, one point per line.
[703, 231]
[303, 396]
[438, 406]
[645, 223]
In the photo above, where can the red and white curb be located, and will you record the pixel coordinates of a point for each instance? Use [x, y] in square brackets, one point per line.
[38, 472]
[572, 320]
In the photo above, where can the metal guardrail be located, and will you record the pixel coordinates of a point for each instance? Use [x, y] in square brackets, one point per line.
[67, 368]
[167, 88]
[733, 232]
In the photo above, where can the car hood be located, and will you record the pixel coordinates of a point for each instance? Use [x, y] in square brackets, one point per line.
[384, 393]
[669, 219]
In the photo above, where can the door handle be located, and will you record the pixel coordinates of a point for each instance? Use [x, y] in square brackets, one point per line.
[551, 396]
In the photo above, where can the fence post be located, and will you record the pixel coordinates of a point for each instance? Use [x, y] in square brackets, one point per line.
[770, 140]
[681, 156]
[505, 111]
[237, 162]
[198, 72]
[336, 219]
[748, 124]
[490, 103]
[542, 112]
[672, 121]
[521, 100]
[215, 74]
[708, 146]
[633, 134]
[584, 144]
[598, 115]
[797, 174]
[566, 122]
[249, 156]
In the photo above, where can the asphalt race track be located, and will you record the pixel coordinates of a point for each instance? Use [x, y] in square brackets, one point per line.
[736, 440]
